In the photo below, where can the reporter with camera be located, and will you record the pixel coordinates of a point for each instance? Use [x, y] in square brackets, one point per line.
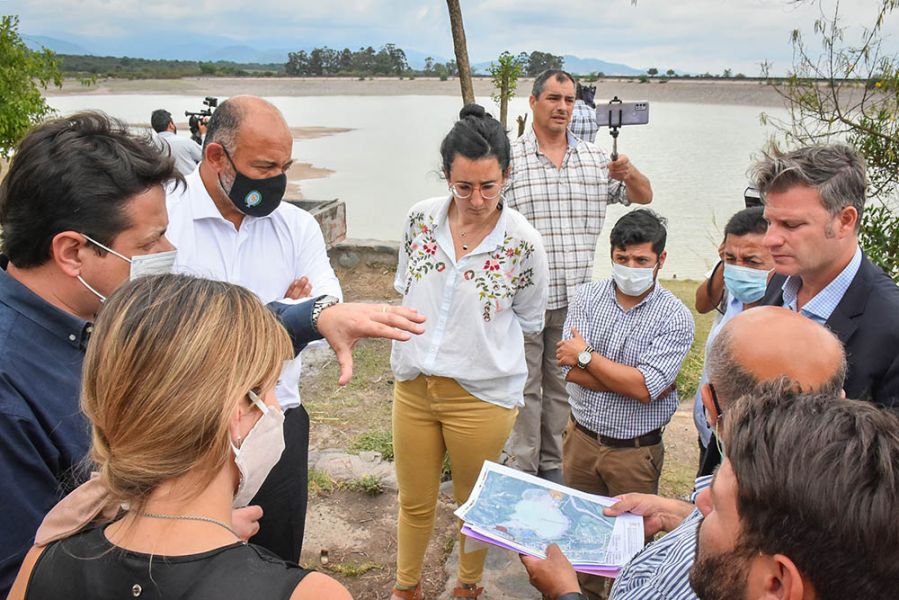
[186, 153]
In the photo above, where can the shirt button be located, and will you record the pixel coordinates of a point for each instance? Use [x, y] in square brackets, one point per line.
[72, 337]
[136, 590]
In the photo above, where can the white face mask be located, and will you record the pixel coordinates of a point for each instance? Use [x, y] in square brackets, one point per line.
[632, 281]
[260, 451]
[160, 263]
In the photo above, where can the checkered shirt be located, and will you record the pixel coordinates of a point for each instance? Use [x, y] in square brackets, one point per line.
[567, 206]
[654, 336]
[583, 122]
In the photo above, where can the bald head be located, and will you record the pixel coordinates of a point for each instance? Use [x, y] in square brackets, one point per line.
[766, 343]
[242, 120]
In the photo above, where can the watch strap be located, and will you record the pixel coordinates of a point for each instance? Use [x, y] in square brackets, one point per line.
[572, 596]
[320, 304]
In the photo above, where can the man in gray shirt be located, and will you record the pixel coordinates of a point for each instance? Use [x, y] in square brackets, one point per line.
[186, 152]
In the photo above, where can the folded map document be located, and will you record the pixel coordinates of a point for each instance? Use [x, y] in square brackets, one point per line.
[520, 512]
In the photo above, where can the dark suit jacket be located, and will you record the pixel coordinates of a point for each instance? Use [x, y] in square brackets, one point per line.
[867, 322]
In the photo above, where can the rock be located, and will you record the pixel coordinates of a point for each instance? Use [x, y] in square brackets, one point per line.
[343, 467]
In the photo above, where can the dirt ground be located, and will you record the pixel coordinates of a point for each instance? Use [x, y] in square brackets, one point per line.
[743, 92]
[358, 531]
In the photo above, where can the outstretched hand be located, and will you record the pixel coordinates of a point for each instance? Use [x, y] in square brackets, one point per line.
[344, 324]
[552, 576]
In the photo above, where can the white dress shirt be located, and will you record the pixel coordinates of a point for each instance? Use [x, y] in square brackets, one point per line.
[265, 255]
[477, 308]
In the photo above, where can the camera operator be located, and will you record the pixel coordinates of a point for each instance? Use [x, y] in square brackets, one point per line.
[186, 153]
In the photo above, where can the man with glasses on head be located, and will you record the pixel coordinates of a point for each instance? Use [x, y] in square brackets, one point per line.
[744, 356]
[562, 185]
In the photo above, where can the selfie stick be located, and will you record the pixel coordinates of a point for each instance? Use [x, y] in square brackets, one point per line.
[613, 128]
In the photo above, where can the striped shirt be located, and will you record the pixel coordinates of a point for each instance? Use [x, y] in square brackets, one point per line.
[567, 206]
[820, 307]
[661, 571]
[654, 336]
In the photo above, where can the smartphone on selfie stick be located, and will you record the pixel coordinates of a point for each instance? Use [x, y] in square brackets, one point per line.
[617, 114]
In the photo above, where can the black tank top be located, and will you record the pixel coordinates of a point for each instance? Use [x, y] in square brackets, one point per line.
[87, 565]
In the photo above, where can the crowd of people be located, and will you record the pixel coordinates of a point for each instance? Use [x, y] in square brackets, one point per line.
[151, 318]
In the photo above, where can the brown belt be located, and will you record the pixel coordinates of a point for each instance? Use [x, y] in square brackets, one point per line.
[647, 439]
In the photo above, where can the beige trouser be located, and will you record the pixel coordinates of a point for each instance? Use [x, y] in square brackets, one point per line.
[592, 467]
[433, 416]
[536, 441]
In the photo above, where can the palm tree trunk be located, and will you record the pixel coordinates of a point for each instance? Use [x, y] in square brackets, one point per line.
[461, 48]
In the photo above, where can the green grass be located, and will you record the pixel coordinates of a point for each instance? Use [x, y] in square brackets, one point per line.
[374, 441]
[354, 569]
[367, 484]
[320, 483]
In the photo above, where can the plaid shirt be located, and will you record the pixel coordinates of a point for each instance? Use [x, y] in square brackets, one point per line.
[567, 206]
[583, 122]
[654, 336]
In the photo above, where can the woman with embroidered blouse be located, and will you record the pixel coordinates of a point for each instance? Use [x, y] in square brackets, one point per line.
[478, 272]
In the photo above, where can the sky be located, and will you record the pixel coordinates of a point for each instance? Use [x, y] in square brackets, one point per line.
[687, 35]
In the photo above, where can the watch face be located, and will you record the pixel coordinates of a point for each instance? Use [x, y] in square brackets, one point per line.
[584, 357]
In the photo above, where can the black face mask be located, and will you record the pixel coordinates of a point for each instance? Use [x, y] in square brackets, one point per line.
[255, 197]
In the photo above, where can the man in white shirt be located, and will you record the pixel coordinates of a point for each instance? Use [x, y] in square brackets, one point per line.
[229, 223]
[185, 151]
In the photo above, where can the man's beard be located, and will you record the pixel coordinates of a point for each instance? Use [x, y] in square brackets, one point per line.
[721, 576]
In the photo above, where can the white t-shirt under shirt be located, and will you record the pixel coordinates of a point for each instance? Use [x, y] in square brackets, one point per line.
[265, 255]
[477, 308]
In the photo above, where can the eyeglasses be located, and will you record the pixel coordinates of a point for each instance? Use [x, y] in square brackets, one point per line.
[463, 191]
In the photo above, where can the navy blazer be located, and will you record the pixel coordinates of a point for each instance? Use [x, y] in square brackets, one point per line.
[867, 322]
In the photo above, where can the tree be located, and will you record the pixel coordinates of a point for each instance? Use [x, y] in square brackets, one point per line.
[505, 73]
[727, 73]
[24, 74]
[652, 71]
[850, 92]
[429, 65]
[670, 73]
[461, 50]
[541, 61]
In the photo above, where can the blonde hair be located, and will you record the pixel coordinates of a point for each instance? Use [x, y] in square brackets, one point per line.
[169, 359]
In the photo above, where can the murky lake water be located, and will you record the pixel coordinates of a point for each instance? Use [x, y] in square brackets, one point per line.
[696, 156]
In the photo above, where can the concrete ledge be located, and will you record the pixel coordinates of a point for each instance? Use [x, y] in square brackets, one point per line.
[351, 253]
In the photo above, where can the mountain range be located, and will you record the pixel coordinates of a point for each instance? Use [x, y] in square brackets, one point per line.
[215, 48]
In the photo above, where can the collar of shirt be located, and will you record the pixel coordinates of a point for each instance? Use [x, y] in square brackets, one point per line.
[822, 305]
[533, 144]
[444, 236]
[72, 329]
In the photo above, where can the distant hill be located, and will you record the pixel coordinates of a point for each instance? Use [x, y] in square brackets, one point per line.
[580, 66]
[218, 48]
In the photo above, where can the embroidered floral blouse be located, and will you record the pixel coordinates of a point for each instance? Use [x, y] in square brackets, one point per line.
[477, 308]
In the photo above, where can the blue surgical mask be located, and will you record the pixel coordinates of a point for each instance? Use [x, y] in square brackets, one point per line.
[745, 284]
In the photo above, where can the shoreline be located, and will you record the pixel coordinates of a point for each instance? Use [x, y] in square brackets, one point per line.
[730, 92]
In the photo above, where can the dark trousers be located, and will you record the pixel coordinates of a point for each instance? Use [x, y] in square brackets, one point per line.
[284, 494]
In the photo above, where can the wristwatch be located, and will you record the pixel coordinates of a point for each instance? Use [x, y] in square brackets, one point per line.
[583, 359]
[320, 304]
[572, 596]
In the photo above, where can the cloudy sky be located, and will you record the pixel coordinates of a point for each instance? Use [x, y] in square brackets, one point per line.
[688, 35]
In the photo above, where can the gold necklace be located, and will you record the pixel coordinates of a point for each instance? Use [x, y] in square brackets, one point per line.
[478, 229]
[191, 518]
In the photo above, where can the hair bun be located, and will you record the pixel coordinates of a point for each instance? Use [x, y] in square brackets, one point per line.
[473, 110]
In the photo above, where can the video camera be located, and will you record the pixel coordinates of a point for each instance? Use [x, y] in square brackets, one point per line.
[198, 118]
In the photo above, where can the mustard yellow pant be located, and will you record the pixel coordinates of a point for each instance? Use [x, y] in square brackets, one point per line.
[432, 416]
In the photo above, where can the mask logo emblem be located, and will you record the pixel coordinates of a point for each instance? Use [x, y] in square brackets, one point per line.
[252, 199]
